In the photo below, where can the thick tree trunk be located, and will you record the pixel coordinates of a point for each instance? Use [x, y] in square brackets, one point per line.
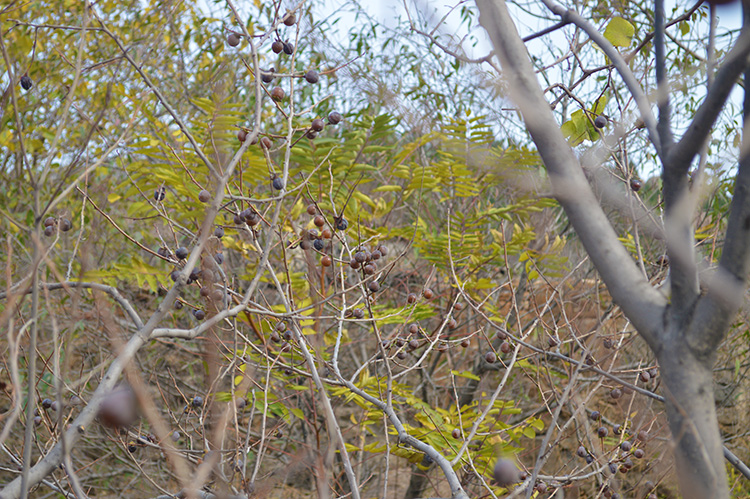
[687, 382]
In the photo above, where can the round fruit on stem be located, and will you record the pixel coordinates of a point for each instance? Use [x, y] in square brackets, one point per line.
[277, 46]
[26, 82]
[233, 40]
[312, 76]
[334, 118]
[277, 94]
[290, 19]
[600, 122]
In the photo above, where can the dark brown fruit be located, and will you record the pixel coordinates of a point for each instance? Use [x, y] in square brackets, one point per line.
[267, 75]
[638, 453]
[374, 286]
[46, 403]
[319, 221]
[277, 94]
[401, 355]
[465, 343]
[233, 40]
[334, 118]
[595, 415]
[266, 143]
[312, 76]
[326, 261]
[456, 433]
[119, 408]
[411, 298]
[354, 264]
[290, 19]
[414, 328]
[602, 431]
[49, 221]
[452, 324]
[242, 135]
[311, 209]
[506, 472]
[414, 343]
[326, 234]
[311, 134]
[428, 293]
[288, 48]
[204, 196]
[600, 122]
[65, 224]
[277, 47]
[616, 393]
[317, 124]
[490, 357]
[644, 376]
[369, 269]
[26, 82]
[358, 313]
[636, 184]
[505, 347]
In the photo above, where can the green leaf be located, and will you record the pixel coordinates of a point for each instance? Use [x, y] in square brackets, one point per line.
[619, 32]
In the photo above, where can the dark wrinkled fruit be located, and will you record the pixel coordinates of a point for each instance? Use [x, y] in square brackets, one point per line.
[277, 94]
[46, 403]
[266, 143]
[506, 472]
[233, 40]
[311, 134]
[278, 184]
[290, 19]
[414, 328]
[204, 196]
[267, 76]
[374, 286]
[334, 118]
[288, 48]
[358, 313]
[600, 122]
[65, 225]
[277, 47]
[645, 376]
[49, 221]
[312, 76]
[369, 269]
[119, 408]
[341, 224]
[26, 82]
[37, 420]
[414, 343]
[616, 393]
[242, 135]
[490, 357]
[181, 253]
[317, 124]
[159, 194]
[219, 258]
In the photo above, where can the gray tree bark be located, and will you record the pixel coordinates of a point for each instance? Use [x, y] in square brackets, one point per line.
[684, 333]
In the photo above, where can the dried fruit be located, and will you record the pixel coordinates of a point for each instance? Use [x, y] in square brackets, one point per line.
[233, 40]
[277, 94]
[181, 253]
[199, 314]
[317, 124]
[428, 293]
[26, 82]
[616, 393]
[506, 472]
[204, 196]
[341, 223]
[288, 48]
[159, 194]
[334, 118]
[49, 221]
[312, 76]
[277, 47]
[374, 286]
[242, 135]
[267, 76]
[505, 347]
[411, 298]
[278, 184]
[490, 357]
[65, 224]
[636, 184]
[290, 19]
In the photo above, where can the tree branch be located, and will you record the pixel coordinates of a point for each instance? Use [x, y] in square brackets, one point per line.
[627, 285]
